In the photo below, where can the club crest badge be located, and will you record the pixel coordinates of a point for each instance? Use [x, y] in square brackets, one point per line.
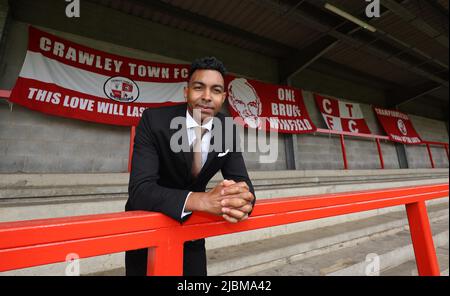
[121, 89]
[402, 127]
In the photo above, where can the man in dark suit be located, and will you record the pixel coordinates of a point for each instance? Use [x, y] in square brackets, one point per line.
[173, 182]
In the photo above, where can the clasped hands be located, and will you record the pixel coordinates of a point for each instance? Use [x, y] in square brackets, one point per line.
[236, 200]
[231, 200]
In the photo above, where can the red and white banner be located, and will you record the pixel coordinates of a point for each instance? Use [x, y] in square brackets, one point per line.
[397, 126]
[259, 105]
[342, 116]
[63, 78]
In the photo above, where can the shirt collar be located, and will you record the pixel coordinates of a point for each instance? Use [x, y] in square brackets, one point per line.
[190, 122]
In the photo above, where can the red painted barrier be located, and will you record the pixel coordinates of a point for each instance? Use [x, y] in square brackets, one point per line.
[430, 155]
[377, 139]
[130, 153]
[5, 93]
[380, 153]
[344, 152]
[38, 242]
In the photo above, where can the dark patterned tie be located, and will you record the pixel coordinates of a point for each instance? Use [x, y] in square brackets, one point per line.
[197, 151]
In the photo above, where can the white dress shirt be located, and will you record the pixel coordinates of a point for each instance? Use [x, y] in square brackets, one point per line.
[191, 124]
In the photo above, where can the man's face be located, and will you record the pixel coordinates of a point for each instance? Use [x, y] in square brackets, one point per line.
[205, 93]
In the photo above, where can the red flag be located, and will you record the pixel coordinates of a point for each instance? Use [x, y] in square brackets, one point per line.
[397, 126]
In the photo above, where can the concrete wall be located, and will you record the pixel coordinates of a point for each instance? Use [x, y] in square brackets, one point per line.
[35, 142]
[429, 130]
[4, 8]
[315, 81]
[4, 19]
[72, 145]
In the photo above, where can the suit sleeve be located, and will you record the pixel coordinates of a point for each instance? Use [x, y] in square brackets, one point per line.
[235, 169]
[144, 191]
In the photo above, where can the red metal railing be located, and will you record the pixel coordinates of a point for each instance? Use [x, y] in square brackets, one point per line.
[377, 139]
[38, 242]
[130, 153]
[341, 135]
[4, 94]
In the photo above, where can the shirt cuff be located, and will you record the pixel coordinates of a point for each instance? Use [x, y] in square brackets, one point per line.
[184, 213]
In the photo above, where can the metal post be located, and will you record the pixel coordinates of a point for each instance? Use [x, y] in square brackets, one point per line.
[380, 153]
[419, 225]
[130, 154]
[290, 142]
[344, 154]
[446, 150]
[430, 155]
[165, 260]
[289, 150]
[401, 155]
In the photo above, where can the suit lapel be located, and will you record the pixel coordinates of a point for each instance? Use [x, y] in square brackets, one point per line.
[185, 153]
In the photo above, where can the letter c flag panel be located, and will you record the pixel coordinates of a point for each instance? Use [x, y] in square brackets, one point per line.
[342, 116]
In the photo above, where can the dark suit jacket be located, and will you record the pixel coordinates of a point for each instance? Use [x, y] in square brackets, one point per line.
[160, 178]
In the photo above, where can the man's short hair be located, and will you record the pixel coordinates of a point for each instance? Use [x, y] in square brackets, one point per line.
[207, 63]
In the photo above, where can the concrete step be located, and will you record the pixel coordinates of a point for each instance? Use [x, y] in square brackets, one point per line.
[20, 186]
[294, 181]
[75, 200]
[410, 268]
[270, 254]
[379, 255]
